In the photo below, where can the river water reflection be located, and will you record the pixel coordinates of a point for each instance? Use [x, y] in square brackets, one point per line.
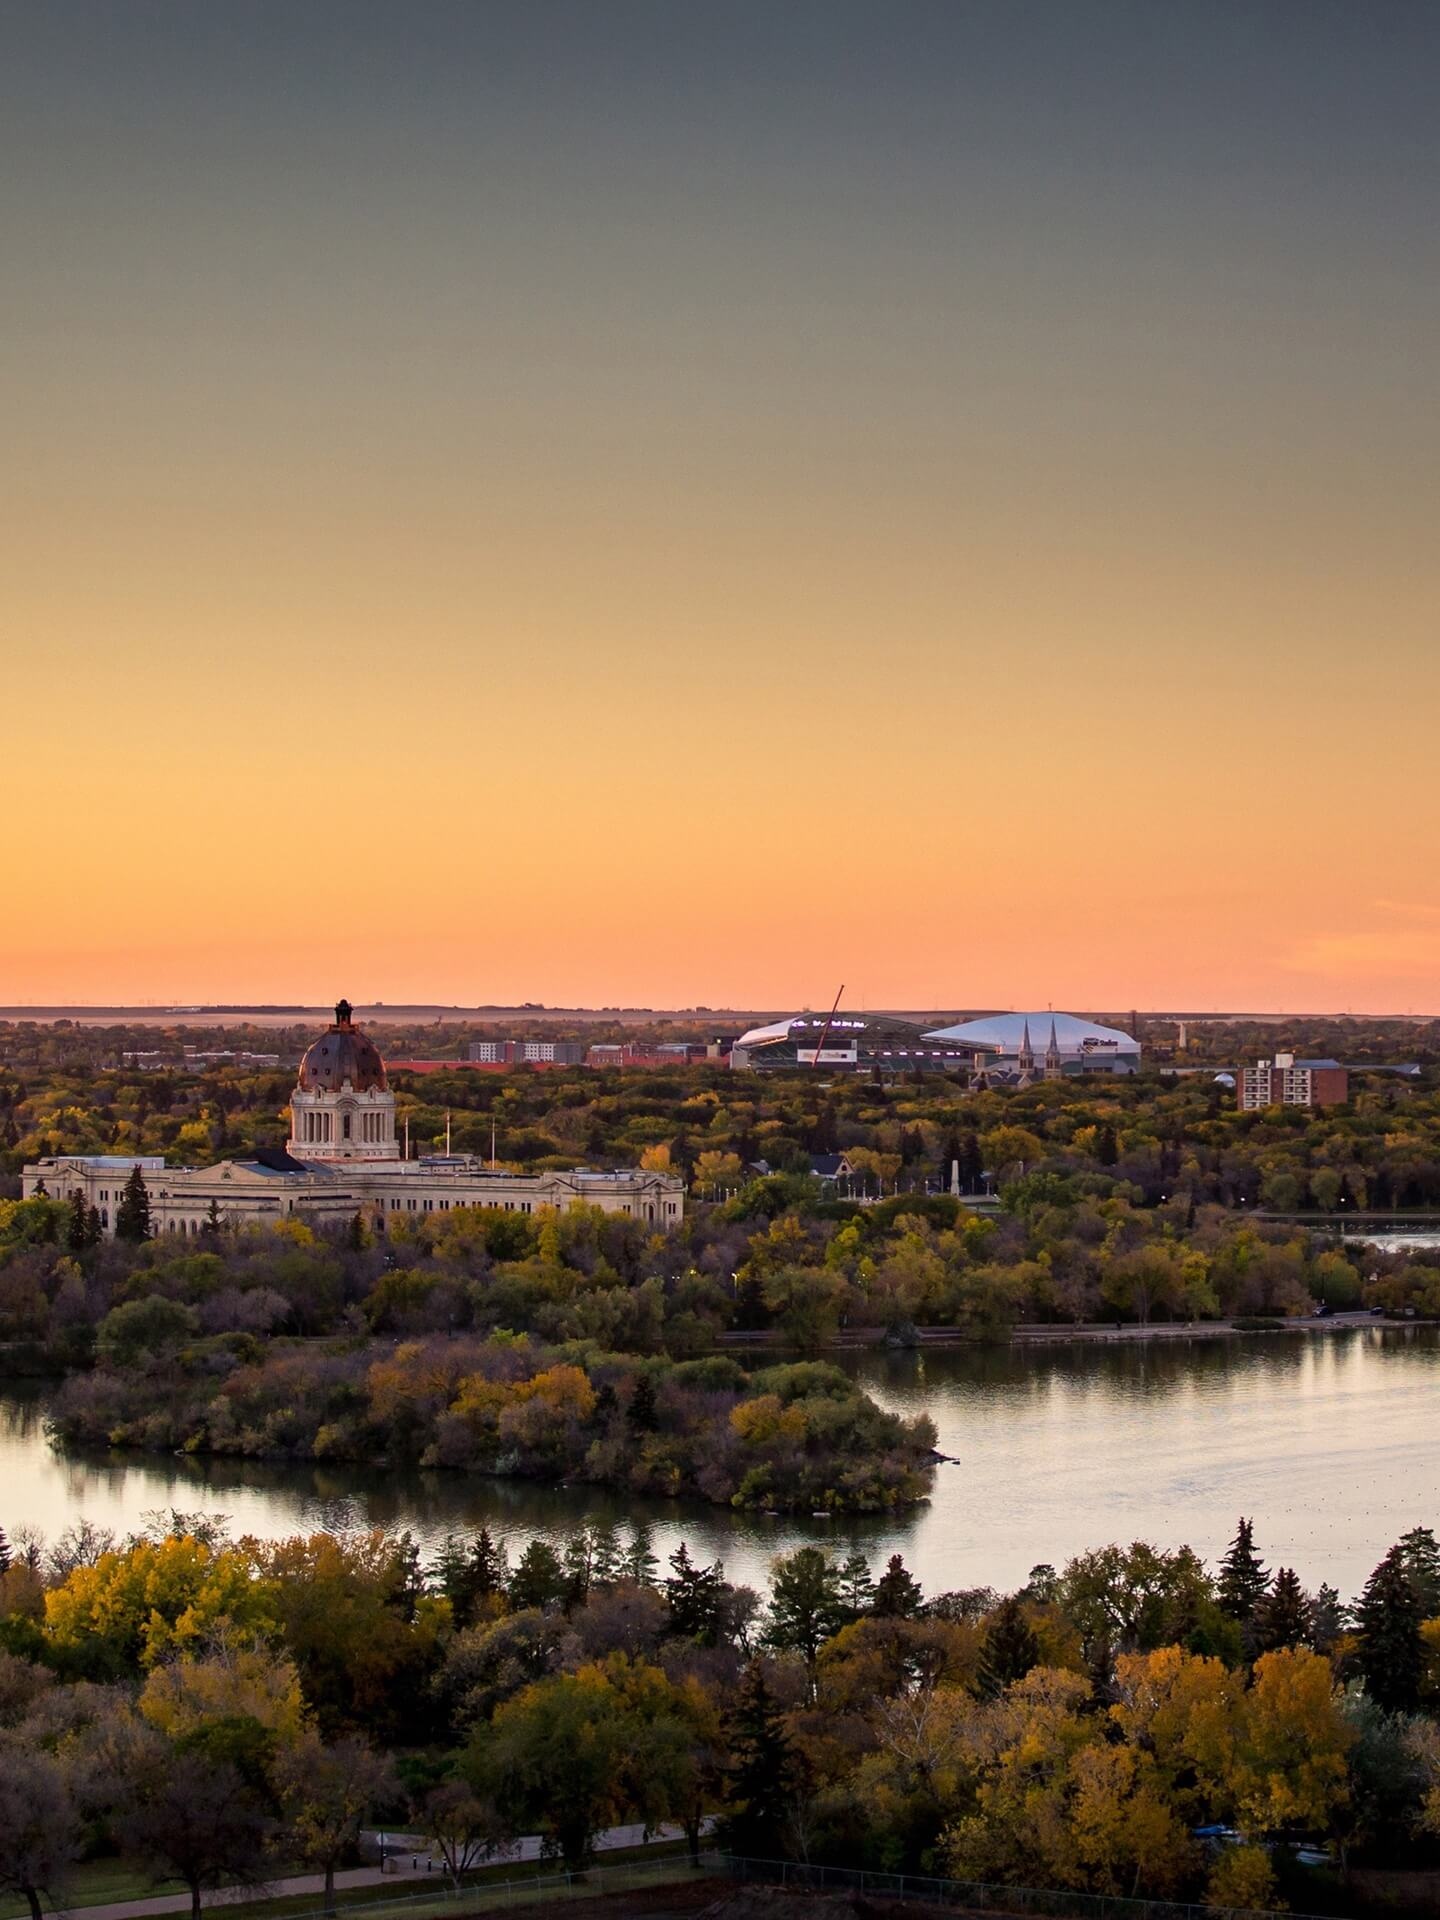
[1329, 1439]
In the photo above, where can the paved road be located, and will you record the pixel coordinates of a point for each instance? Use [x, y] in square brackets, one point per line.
[408, 1871]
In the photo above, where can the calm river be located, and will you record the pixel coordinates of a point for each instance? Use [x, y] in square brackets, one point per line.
[1331, 1440]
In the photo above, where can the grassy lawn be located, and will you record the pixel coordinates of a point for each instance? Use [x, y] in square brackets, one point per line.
[94, 1883]
[529, 1885]
[99, 1882]
[504, 1883]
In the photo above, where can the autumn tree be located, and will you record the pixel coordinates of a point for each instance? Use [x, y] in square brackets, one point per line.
[465, 1826]
[325, 1793]
[193, 1818]
[1289, 1768]
[39, 1824]
[230, 1681]
[553, 1761]
[130, 1610]
[361, 1637]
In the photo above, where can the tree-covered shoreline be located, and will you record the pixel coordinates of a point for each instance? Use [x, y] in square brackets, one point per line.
[793, 1438]
[1132, 1723]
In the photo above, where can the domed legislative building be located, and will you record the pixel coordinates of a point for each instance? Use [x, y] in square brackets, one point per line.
[343, 1157]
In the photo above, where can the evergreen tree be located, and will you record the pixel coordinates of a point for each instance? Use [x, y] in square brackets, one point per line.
[695, 1596]
[805, 1606]
[639, 1563]
[577, 1562]
[1243, 1578]
[489, 1566]
[607, 1558]
[449, 1574]
[1420, 1556]
[1388, 1619]
[857, 1586]
[1283, 1617]
[132, 1216]
[897, 1592]
[1328, 1619]
[763, 1780]
[539, 1578]
[752, 1314]
[406, 1575]
[468, 1574]
[1009, 1649]
[1107, 1146]
[606, 1403]
[643, 1415]
[94, 1227]
[77, 1225]
[972, 1163]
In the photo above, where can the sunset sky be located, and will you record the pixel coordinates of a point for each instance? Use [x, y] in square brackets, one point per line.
[680, 503]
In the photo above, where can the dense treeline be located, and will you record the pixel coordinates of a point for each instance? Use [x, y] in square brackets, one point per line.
[776, 1258]
[582, 1347]
[585, 1346]
[1131, 1724]
[1148, 1139]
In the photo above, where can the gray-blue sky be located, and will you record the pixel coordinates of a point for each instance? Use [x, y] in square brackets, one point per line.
[1081, 348]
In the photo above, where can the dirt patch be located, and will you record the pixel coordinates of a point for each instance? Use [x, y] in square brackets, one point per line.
[804, 1903]
[676, 1900]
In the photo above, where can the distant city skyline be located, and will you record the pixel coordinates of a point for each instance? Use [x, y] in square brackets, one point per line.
[649, 505]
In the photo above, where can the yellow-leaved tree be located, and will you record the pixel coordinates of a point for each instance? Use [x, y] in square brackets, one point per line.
[134, 1608]
[1183, 1708]
[228, 1682]
[1290, 1763]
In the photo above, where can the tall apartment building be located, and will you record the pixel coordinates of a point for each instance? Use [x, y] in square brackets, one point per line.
[1288, 1082]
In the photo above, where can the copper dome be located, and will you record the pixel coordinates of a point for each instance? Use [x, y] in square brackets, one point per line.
[342, 1053]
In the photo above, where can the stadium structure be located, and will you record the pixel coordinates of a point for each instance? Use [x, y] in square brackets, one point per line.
[852, 1042]
[1006, 1047]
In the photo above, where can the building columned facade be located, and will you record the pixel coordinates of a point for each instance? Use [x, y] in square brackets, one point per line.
[342, 1109]
[342, 1158]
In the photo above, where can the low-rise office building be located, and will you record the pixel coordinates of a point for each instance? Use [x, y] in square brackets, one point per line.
[494, 1053]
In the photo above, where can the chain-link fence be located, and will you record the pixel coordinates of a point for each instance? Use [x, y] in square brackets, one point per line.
[978, 1897]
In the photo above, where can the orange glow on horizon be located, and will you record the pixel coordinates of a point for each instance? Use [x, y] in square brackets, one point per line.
[950, 510]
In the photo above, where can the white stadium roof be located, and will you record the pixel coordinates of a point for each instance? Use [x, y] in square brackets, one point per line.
[1004, 1032]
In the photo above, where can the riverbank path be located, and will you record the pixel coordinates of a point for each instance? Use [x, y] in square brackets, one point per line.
[414, 1869]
